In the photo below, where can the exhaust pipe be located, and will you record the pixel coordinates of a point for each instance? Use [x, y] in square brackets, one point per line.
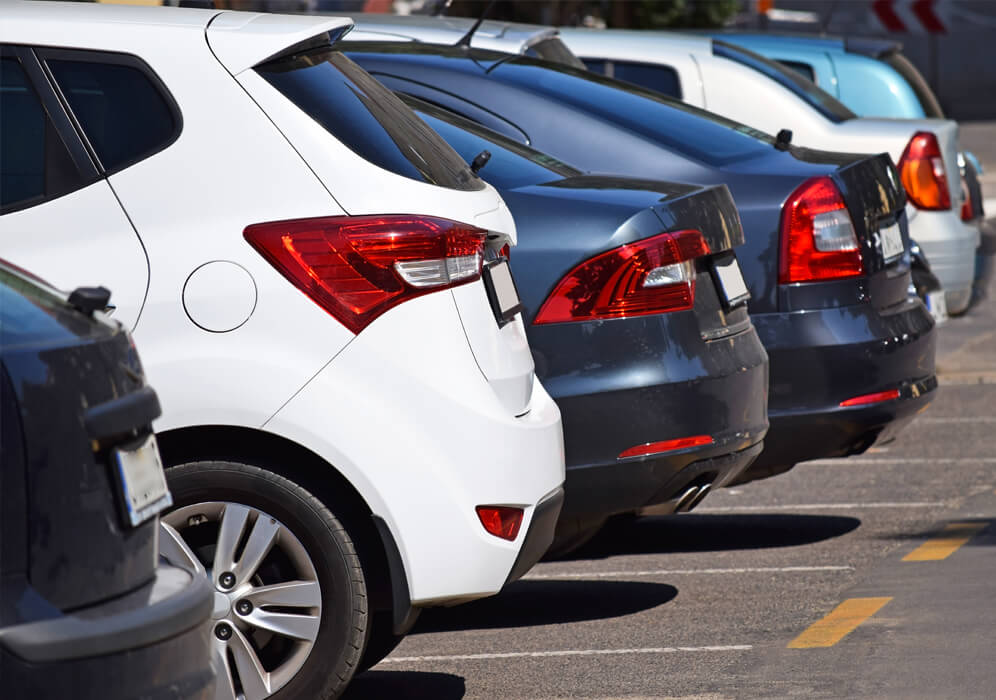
[703, 492]
[686, 499]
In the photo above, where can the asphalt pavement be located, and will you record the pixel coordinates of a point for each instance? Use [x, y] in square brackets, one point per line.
[871, 576]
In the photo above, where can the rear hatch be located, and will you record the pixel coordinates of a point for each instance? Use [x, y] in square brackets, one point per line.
[375, 157]
[72, 393]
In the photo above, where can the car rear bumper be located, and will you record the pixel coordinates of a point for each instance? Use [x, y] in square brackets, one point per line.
[950, 246]
[151, 643]
[652, 391]
[822, 358]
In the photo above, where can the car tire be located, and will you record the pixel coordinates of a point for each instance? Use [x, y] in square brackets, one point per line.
[304, 636]
[381, 640]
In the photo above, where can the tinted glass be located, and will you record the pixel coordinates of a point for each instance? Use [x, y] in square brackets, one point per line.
[555, 51]
[702, 135]
[511, 164]
[122, 112]
[663, 79]
[367, 117]
[34, 163]
[803, 69]
[824, 103]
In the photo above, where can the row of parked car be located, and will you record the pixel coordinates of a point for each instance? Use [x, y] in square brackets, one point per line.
[422, 301]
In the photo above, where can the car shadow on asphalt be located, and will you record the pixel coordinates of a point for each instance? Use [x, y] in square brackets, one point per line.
[531, 603]
[712, 533]
[406, 685]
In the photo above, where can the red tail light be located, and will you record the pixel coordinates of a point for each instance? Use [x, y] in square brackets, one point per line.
[877, 397]
[651, 276]
[651, 448]
[818, 241]
[358, 267]
[921, 170]
[501, 521]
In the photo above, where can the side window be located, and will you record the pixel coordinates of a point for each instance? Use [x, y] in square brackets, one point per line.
[122, 112]
[34, 162]
[662, 79]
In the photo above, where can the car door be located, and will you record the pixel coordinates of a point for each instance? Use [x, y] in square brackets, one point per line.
[59, 216]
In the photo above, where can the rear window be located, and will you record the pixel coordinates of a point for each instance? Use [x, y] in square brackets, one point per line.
[704, 136]
[824, 103]
[924, 95]
[123, 113]
[367, 117]
[663, 79]
[511, 164]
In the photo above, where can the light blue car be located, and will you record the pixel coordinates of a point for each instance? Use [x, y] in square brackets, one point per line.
[874, 79]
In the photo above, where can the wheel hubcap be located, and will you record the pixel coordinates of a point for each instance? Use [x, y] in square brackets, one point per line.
[267, 600]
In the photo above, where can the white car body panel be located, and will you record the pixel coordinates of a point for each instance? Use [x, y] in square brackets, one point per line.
[495, 35]
[418, 412]
[745, 95]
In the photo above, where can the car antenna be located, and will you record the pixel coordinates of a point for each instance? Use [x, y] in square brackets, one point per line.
[465, 39]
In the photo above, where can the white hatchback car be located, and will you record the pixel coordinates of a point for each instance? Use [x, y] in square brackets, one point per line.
[763, 94]
[351, 422]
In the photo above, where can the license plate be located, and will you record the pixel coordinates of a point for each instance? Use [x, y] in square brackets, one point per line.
[501, 290]
[731, 280]
[143, 481]
[892, 241]
[937, 305]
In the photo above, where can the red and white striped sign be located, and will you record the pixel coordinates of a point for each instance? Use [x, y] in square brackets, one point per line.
[912, 16]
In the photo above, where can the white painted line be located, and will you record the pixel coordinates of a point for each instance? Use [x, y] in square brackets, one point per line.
[565, 652]
[903, 460]
[690, 572]
[819, 506]
[967, 419]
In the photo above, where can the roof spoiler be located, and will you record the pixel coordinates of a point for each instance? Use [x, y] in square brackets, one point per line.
[873, 48]
[242, 40]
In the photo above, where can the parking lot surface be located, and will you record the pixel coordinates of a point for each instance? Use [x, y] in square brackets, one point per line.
[871, 576]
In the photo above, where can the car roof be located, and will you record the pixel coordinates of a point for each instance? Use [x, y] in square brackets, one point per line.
[511, 37]
[239, 39]
[627, 37]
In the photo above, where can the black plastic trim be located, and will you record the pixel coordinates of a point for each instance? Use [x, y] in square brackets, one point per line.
[173, 603]
[404, 614]
[539, 537]
[118, 416]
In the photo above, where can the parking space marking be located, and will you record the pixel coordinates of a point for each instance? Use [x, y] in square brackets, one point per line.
[839, 623]
[855, 461]
[683, 572]
[820, 506]
[564, 652]
[965, 419]
[947, 543]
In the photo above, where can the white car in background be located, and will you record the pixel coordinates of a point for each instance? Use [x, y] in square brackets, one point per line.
[765, 95]
[351, 423]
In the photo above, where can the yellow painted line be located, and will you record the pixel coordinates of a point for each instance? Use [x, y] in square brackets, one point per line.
[947, 543]
[841, 621]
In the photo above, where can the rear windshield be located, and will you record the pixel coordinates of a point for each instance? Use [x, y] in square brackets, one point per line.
[924, 95]
[367, 117]
[511, 164]
[701, 135]
[824, 103]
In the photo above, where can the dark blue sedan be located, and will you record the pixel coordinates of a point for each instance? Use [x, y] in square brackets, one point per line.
[826, 253]
[637, 318]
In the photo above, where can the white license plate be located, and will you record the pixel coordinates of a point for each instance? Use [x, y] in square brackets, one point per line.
[892, 241]
[731, 280]
[937, 305]
[505, 297]
[143, 481]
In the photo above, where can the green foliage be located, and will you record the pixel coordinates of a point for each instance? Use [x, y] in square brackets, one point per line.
[679, 14]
